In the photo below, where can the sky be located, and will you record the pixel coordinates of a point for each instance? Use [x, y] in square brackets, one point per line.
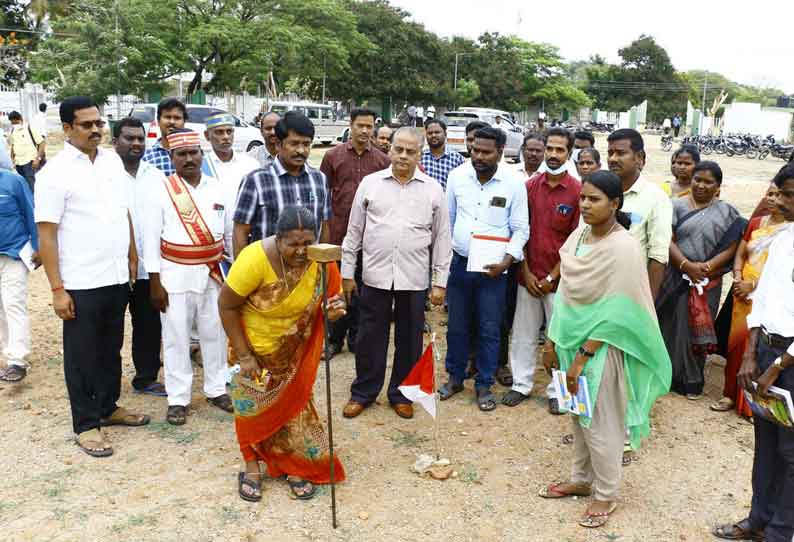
[748, 42]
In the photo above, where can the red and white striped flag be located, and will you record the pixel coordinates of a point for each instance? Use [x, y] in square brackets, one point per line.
[419, 386]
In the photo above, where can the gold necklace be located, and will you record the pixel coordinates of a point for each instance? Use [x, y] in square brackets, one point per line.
[286, 274]
[593, 238]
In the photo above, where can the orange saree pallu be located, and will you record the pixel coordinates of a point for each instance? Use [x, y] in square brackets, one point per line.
[275, 419]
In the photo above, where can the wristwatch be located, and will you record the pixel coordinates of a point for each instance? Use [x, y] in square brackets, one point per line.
[778, 363]
[586, 353]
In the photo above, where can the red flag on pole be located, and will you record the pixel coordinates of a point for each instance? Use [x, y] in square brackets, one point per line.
[419, 386]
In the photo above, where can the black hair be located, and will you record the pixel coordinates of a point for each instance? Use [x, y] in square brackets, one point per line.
[561, 132]
[295, 217]
[689, 149]
[611, 185]
[296, 122]
[362, 112]
[708, 165]
[42, 107]
[437, 121]
[128, 122]
[167, 104]
[786, 173]
[72, 104]
[584, 134]
[593, 152]
[536, 136]
[494, 134]
[14, 115]
[637, 144]
[475, 125]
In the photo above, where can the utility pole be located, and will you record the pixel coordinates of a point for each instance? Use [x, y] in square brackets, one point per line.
[118, 65]
[324, 58]
[455, 82]
[705, 84]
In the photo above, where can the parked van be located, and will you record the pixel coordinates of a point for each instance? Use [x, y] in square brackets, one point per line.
[326, 125]
[456, 122]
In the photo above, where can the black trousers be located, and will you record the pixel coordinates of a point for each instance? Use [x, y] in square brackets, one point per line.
[26, 170]
[373, 341]
[92, 353]
[146, 335]
[347, 326]
[772, 506]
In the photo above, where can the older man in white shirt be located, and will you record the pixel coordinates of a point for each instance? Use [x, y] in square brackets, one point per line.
[87, 247]
[182, 250]
[229, 168]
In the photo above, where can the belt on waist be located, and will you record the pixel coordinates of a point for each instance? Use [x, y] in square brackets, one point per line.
[773, 340]
[192, 254]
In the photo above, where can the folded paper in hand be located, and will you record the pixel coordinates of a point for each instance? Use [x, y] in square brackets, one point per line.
[486, 250]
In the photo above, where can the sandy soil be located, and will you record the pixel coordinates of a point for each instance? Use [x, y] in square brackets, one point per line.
[179, 484]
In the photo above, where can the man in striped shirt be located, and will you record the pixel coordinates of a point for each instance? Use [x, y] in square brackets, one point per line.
[437, 161]
[288, 180]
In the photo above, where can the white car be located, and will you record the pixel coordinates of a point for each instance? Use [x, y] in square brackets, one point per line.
[246, 136]
[456, 122]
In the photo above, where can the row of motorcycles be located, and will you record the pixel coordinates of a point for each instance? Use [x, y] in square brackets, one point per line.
[749, 146]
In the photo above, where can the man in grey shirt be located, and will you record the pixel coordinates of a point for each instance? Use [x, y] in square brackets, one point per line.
[399, 220]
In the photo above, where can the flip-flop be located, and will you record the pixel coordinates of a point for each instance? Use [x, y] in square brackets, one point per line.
[723, 405]
[552, 492]
[741, 530]
[513, 398]
[223, 402]
[92, 443]
[594, 520]
[122, 416]
[176, 415]
[486, 401]
[13, 374]
[298, 485]
[254, 485]
[449, 389]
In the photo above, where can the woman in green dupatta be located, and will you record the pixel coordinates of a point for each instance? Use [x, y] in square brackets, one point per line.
[604, 328]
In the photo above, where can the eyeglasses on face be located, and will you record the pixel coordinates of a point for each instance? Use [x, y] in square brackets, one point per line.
[88, 124]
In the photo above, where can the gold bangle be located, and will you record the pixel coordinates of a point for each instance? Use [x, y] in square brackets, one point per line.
[681, 267]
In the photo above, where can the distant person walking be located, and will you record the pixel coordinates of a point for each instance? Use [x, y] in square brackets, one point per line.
[27, 148]
[676, 124]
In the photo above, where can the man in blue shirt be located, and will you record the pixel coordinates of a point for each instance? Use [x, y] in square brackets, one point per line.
[18, 240]
[437, 161]
[488, 201]
[171, 115]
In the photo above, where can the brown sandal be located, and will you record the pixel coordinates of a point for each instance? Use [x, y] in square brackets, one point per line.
[594, 520]
[92, 443]
[122, 416]
[553, 491]
[223, 402]
[176, 415]
[741, 530]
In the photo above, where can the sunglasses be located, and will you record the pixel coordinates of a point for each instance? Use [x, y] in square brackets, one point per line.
[87, 125]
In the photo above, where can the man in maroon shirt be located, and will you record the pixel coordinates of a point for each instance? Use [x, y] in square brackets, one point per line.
[344, 167]
[553, 199]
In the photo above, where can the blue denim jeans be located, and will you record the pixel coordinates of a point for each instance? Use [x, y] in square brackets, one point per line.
[773, 464]
[470, 296]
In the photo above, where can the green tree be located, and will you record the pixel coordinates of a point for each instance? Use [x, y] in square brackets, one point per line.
[14, 46]
[467, 93]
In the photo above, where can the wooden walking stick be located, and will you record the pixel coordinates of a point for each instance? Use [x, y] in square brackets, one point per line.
[324, 254]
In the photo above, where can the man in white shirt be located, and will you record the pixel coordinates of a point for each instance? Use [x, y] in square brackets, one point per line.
[129, 139]
[485, 200]
[41, 120]
[768, 361]
[265, 154]
[87, 246]
[182, 250]
[229, 168]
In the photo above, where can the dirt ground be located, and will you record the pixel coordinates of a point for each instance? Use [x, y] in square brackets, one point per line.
[179, 484]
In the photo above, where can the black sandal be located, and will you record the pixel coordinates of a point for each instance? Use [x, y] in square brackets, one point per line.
[254, 487]
[176, 415]
[13, 374]
[513, 398]
[741, 530]
[223, 402]
[449, 389]
[486, 401]
[298, 486]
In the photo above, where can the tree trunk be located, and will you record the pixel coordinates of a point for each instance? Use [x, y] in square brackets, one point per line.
[195, 84]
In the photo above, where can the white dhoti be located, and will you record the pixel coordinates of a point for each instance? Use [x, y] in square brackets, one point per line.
[185, 310]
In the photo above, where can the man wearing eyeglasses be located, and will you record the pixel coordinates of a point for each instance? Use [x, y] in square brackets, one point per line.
[87, 246]
[768, 361]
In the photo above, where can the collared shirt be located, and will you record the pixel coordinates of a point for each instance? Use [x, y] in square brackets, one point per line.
[439, 168]
[41, 123]
[90, 203]
[475, 208]
[161, 221]
[345, 168]
[230, 174]
[262, 155]
[651, 218]
[142, 188]
[265, 192]
[773, 299]
[159, 157]
[523, 176]
[23, 147]
[397, 226]
[17, 225]
[553, 215]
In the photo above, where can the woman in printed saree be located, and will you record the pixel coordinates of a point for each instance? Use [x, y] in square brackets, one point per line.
[604, 328]
[682, 166]
[747, 266]
[706, 232]
[271, 310]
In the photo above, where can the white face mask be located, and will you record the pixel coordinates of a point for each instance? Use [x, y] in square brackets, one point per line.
[560, 170]
[575, 155]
